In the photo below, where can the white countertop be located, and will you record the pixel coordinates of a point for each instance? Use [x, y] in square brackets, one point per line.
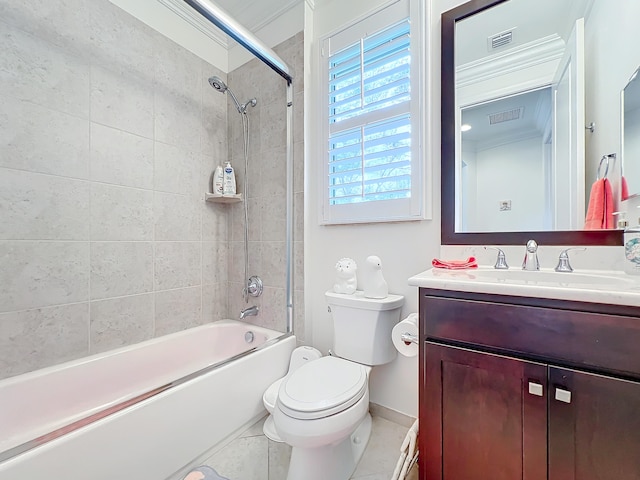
[595, 286]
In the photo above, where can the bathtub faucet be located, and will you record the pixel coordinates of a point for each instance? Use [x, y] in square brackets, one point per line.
[249, 311]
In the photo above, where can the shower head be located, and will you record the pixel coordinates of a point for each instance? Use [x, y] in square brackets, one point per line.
[218, 84]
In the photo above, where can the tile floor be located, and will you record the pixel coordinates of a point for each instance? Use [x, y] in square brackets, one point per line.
[252, 456]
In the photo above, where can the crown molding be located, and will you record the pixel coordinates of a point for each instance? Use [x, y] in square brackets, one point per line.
[196, 20]
[508, 138]
[544, 50]
[273, 15]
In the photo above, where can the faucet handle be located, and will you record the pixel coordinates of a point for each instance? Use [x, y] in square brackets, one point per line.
[563, 260]
[501, 261]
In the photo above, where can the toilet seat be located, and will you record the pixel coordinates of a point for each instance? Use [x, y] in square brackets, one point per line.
[322, 388]
[270, 396]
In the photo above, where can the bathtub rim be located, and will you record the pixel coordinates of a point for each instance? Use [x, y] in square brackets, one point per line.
[120, 406]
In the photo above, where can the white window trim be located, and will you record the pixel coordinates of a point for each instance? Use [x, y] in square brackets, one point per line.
[418, 207]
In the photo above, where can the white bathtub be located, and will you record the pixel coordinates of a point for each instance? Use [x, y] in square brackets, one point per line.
[154, 437]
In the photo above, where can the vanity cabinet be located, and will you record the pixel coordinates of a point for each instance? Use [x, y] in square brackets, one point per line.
[519, 388]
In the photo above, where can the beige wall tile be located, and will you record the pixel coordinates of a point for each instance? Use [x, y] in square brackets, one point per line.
[121, 268]
[117, 322]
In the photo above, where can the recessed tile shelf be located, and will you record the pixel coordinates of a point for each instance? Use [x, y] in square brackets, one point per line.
[217, 198]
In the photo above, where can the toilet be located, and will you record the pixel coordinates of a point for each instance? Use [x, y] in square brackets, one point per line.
[299, 357]
[322, 406]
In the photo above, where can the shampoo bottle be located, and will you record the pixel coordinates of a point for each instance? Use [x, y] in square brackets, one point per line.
[218, 181]
[631, 241]
[229, 187]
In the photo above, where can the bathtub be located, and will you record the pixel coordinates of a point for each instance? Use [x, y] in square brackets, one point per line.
[140, 412]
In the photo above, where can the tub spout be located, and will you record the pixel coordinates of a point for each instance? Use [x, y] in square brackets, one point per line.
[249, 311]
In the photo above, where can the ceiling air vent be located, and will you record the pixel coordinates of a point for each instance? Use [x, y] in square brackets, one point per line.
[500, 39]
[506, 116]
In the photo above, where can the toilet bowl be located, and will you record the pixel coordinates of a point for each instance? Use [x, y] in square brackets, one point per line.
[299, 357]
[322, 411]
[321, 408]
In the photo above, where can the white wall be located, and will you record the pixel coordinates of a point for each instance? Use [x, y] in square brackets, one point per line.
[405, 248]
[609, 66]
[510, 172]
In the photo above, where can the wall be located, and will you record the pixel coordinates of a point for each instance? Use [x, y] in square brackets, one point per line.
[405, 248]
[267, 187]
[109, 133]
[206, 41]
[607, 74]
[495, 171]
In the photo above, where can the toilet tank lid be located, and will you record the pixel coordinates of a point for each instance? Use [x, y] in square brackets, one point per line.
[358, 300]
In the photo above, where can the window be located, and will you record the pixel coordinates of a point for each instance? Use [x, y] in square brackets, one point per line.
[371, 122]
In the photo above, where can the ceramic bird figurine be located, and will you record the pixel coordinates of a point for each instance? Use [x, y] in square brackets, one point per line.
[346, 280]
[375, 285]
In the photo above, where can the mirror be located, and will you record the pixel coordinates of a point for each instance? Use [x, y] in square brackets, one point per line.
[534, 81]
[631, 137]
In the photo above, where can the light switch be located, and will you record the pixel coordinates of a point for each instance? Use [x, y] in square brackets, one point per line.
[535, 389]
[563, 395]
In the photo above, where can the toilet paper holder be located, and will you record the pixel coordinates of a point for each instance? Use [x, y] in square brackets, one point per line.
[408, 338]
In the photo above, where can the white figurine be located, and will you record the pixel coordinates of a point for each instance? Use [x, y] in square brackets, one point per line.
[375, 285]
[346, 281]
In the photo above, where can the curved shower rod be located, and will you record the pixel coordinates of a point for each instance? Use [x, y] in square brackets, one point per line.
[228, 25]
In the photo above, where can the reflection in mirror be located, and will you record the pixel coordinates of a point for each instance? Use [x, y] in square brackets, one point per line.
[496, 51]
[631, 137]
[528, 140]
[505, 164]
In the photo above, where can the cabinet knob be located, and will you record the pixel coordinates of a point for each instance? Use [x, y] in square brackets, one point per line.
[563, 395]
[535, 389]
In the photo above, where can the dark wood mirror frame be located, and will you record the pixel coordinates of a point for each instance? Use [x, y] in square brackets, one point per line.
[448, 233]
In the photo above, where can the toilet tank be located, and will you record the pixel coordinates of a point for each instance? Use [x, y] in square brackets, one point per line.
[362, 326]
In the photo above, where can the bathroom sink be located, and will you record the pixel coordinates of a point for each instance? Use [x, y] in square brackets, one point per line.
[551, 277]
[596, 286]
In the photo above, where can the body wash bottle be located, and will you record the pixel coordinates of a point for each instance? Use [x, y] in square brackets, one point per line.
[218, 181]
[631, 240]
[229, 187]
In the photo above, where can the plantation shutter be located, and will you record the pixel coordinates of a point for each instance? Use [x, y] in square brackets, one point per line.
[369, 150]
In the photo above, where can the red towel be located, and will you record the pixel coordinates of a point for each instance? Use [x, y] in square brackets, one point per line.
[624, 188]
[455, 264]
[608, 205]
[600, 209]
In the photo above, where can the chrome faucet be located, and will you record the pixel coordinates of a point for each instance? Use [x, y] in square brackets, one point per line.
[249, 311]
[563, 260]
[531, 262]
[501, 260]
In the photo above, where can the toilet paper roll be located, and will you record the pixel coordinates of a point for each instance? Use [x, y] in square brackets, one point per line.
[408, 325]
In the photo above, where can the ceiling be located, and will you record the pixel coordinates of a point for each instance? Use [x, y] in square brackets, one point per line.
[532, 109]
[527, 20]
[255, 14]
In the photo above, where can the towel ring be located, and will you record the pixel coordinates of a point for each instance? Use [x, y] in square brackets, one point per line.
[606, 170]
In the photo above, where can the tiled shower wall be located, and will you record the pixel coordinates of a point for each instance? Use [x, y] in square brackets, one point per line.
[108, 134]
[267, 186]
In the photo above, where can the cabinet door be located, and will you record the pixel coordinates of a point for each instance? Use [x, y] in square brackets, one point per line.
[484, 416]
[594, 427]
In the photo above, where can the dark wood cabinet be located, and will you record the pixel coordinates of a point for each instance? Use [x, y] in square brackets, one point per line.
[594, 434]
[514, 391]
[477, 396]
